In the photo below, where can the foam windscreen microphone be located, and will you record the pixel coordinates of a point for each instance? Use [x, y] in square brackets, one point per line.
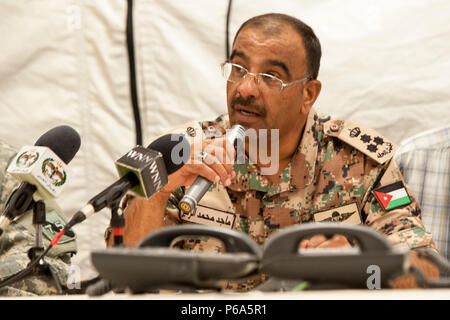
[143, 172]
[42, 168]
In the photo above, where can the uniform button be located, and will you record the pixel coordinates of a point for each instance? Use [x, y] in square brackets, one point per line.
[334, 127]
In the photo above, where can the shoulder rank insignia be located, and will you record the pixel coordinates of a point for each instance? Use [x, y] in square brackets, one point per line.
[348, 213]
[392, 196]
[368, 141]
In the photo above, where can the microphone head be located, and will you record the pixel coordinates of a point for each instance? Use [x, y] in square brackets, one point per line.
[175, 149]
[44, 164]
[151, 166]
[63, 140]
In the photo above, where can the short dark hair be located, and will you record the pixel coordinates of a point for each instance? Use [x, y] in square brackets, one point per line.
[310, 40]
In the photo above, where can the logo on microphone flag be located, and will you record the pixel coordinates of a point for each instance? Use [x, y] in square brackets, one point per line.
[42, 167]
[392, 196]
[27, 158]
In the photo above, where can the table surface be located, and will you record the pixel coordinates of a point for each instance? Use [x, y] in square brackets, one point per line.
[359, 294]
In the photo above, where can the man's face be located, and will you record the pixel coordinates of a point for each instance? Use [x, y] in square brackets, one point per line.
[256, 105]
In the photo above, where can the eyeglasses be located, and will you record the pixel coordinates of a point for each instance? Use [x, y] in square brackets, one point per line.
[235, 73]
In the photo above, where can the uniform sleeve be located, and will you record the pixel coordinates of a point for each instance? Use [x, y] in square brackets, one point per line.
[403, 225]
[7, 182]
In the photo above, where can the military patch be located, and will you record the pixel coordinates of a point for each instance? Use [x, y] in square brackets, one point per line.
[54, 218]
[392, 196]
[209, 216]
[367, 141]
[348, 213]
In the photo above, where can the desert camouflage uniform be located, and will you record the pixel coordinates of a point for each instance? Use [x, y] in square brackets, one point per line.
[325, 173]
[19, 237]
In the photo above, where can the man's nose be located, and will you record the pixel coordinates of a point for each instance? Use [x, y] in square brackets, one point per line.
[249, 87]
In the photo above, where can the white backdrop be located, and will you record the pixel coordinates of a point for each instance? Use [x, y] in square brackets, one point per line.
[385, 64]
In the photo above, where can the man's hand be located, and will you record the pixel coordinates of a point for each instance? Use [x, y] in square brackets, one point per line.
[320, 241]
[408, 280]
[216, 166]
[145, 216]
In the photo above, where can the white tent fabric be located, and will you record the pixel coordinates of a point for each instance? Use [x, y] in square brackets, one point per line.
[385, 64]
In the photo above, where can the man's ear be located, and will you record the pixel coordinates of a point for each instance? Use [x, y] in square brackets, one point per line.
[311, 91]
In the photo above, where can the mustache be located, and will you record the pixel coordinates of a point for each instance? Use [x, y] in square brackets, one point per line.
[250, 103]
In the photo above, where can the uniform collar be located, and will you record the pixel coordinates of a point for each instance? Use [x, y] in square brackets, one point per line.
[298, 174]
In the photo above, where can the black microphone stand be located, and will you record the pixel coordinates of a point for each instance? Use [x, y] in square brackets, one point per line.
[117, 223]
[42, 267]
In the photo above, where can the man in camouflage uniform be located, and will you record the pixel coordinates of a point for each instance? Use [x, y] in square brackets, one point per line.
[19, 237]
[329, 170]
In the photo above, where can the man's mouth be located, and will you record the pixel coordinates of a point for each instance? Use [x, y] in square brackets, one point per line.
[247, 111]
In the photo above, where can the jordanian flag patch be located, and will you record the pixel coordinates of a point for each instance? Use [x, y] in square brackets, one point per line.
[392, 196]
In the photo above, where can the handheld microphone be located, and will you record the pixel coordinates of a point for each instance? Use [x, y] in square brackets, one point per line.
[42, 170]
[234, 136]
[143, 172]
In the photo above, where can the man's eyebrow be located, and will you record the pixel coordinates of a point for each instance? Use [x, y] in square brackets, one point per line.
[272, 62]
[280, 64]
[237, 53]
